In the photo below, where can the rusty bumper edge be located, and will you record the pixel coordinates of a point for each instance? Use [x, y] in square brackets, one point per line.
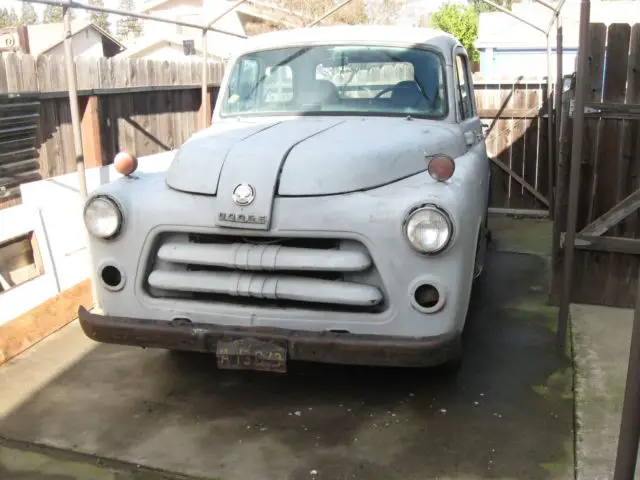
[327, 347]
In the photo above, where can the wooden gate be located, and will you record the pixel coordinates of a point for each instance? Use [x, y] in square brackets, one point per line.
[515, 112]
[607, 241]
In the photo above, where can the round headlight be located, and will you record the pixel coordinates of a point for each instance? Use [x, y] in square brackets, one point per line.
[428, 230]
[102, 217]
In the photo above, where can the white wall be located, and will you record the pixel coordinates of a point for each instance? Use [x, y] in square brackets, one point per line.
[186, 10]
[52, 209]
[510, 64]
[58, 201]
[167, 52]
[87, 43]
[192, 11]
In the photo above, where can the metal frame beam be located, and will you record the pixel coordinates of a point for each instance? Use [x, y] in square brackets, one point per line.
[124, 13]
[545, 4]
[574, 175]
[550, 143]
[556, 14]
[517, 17]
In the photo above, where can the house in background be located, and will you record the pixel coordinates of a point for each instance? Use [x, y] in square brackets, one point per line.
[47, 39]
[153, 48]
[160, 38]
[508, 48]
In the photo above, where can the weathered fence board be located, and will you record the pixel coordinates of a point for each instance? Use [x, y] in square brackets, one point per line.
[513, 110]
[146, 121]
[18, 127]
[610, 169]
[165, 116]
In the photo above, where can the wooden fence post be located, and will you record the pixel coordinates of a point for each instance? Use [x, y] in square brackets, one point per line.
[91, 139]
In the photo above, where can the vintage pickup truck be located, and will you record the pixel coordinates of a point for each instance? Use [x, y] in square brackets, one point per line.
[335, 211]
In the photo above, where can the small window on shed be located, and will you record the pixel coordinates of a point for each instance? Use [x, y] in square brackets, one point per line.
[465, 102]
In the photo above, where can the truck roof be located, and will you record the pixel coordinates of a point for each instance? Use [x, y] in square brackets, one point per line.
[374, 34]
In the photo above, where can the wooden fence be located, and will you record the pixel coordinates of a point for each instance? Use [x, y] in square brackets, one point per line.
[608, 223]
[515, 112]
[142, 105]
[150, 106]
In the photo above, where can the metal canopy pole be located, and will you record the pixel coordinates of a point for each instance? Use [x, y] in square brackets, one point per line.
[73, 101]
[552, 134]
[558, 101]
[550, 124]
[557, 18]
[330, 12]
[511, 14]
[551, 163]
[556, 13]
[574, 176]
[204, 120]
[545, 4]
[70, 67]
[205, 80]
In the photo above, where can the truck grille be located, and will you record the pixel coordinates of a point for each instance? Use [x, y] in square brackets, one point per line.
[308, 273]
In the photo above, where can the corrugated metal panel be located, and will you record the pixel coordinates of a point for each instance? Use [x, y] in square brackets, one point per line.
[19, 115]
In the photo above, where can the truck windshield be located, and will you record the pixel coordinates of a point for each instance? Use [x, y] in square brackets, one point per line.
[337, 79]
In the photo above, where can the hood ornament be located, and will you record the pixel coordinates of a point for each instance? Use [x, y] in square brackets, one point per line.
[243, 194]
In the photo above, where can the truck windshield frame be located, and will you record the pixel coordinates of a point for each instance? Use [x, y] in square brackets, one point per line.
[338, 79]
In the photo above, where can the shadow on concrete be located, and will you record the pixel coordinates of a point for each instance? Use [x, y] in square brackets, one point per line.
[507, 414]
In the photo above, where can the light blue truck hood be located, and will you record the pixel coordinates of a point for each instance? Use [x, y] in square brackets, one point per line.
[309, 155]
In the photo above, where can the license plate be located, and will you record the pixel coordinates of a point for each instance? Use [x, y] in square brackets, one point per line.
[251, 354]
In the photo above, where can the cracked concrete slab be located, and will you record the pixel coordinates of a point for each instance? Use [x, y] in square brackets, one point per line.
[507, 414]
[601, 342]
[32, 462]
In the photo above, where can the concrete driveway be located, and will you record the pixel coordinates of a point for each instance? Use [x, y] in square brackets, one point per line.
[507, 414]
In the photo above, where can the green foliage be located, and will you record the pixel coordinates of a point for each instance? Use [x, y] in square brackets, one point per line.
[485, 7]
[101, 19]
[128, 26]
[28, 15]
[8, 18]
[461, 22]
[4, 18]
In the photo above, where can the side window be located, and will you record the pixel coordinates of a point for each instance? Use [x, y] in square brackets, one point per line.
[465, 106]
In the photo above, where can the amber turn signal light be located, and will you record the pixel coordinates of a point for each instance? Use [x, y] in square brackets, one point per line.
[441, 167]
[125, 163]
